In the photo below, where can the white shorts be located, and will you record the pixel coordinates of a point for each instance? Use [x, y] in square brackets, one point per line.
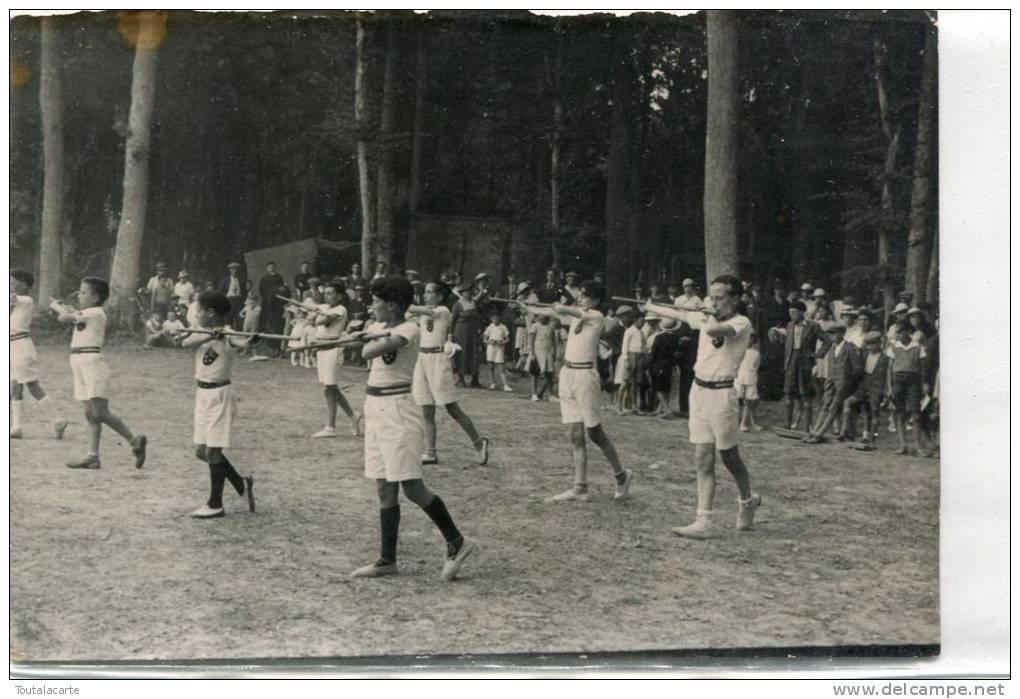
[495, 354]
[715, 415]
[24, 362]
[329, 367]
[747, 391]
[433, 380]
[394, 438]
[215, 409]
[91, 376]
[580, 396]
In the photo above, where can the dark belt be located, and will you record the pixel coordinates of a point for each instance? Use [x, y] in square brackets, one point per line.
[212, 384]
[430, 350]
[579, 365]
[86, 350]
[714, 384]
[388, 390]
[20, 336]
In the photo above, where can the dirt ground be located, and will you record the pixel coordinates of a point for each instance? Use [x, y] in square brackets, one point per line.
[106, 565]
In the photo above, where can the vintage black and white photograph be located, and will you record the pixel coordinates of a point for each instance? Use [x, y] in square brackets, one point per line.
[454, 334]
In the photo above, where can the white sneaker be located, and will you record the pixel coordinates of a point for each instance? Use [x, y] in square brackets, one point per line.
[554, 399]
[507, 389]
[492, 387]
[622, 489]
[483, 451]
[206, 512]
[375, 570]
[700, 528]
[745, 516]
[570, 495]
[534, 398]
[452, 565]
[58, 429]
[325, 433]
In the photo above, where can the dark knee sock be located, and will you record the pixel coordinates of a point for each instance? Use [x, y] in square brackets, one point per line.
[437, 511]
[389, 520]
[233, 476]
[217, 477]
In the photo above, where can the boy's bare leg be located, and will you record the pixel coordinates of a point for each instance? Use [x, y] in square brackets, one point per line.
[750, 408]
[579, 456]
[601, 439]
[901, 432]
[102, 408]
[462, 419]
[429, 413]
[330, 393]
[735, 465]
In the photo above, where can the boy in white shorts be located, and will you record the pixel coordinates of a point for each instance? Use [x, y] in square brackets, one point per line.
[394, 433]
[433, 376]
[24, 362]
[580, 390]
[215, 403]
[91, 372]
[747, 385]
[496, 338]
[330, 322]
[725, 335]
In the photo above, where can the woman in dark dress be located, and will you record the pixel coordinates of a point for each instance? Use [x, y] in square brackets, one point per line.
[662, 359]
[466, 328]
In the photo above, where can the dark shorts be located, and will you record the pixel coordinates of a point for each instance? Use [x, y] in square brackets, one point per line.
[662, 377]
[797, 380]
[906, 392]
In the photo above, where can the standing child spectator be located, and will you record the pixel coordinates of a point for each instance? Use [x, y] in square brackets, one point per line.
[542, 348]
[193, 311]
[906, 369]
[633, 349]
[250, 313]
[296, 344]
[747, 385]
[215, 403]
[870, 391]
[24, 361]
[520, 344]
[92, 373]
[496, 338]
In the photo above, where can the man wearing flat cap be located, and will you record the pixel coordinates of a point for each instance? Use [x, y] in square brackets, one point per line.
[235, 287]
[844, 370]
[800, 337]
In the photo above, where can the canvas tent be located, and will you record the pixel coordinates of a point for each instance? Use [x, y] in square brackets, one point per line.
[326, 258]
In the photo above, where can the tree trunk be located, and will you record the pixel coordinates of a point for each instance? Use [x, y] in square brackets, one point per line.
[416, 149]
[892, 135]
[130, 233]
[721, 147]
[554, 155]
[919, 239]
[53, 165]
[368, 242]
[617, 183]
[932, 288]
[385, 179]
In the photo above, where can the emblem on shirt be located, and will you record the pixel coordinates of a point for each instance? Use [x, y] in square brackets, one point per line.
[389, 357]
[210, 356]
[430, 325]
[717, 342]
[80, 325]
